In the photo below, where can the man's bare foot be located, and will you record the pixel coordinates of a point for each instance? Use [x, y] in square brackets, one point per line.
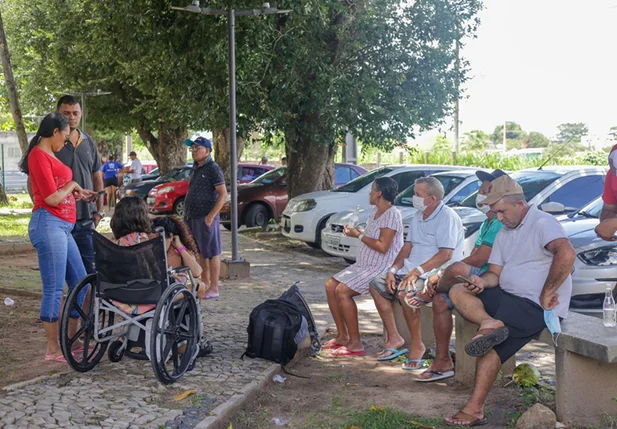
[489, 324]
[395, 344]
[335, 343]
[415, 354]
[467, 418]
[420, 298]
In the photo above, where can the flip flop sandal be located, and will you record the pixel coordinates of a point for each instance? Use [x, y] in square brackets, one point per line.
[330, 345]
[415, 295]
[394, 353]
[436, 375]
[55, 359]
[344, 351]
[473, 420]
[489, 338]
[210, 296]
[419, 363]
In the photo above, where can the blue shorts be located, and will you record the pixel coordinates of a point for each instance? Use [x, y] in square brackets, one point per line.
[208, 238]
[473, 271]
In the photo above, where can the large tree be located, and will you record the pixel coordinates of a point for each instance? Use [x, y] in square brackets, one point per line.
[381, 69]
[571, 132]
[166, 70]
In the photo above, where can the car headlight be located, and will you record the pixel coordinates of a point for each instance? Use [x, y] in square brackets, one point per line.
[304, 206]
[166, 190]
[129, 192]
[602, 256]
[361, 227]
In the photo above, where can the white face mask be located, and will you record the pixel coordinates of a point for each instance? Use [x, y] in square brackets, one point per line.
[483, 208]
[418, 203]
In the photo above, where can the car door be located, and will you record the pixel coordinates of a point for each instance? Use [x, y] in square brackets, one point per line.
[280, 196]
[577, 192]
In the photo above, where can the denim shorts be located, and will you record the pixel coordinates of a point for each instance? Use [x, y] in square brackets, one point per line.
[473, 271]
[59, 261]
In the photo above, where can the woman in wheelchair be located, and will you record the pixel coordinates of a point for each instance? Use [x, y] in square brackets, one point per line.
[139, 298]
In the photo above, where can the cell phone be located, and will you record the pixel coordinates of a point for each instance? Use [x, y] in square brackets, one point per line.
[94, 197]
[466, 280]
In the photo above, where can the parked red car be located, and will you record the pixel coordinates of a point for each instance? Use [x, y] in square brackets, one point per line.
[266, 197]
[169, 197]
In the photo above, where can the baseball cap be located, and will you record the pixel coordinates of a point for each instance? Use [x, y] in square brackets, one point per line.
[500, 187]
[484, 176]
[201, 141]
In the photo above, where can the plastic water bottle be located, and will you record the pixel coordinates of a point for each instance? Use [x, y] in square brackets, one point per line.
[610, 315]
[354, 218]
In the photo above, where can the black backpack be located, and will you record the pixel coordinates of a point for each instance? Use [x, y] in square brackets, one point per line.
[272, 328]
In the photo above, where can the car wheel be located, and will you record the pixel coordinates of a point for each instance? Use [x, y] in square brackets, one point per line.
[178, 209]
[227, 226]
[349, 261]
[257, 215]
[314, 245]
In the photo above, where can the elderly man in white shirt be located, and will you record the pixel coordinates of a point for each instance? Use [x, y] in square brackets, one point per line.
[435, 238]
[527, 286]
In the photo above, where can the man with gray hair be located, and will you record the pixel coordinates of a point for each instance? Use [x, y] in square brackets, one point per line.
[435, 237]
[527, 287]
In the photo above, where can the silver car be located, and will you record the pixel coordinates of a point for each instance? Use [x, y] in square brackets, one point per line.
[595, 267]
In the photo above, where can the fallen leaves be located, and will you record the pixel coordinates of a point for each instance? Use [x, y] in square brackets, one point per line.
[182, 396]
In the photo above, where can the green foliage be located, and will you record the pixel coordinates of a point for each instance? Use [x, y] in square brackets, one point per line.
[537, 394]
[571, 131]
[475, 140]
[513, 132]
[537, 139]
[526, 375]
[377, 417]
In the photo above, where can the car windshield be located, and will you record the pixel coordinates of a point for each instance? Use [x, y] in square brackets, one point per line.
[591, 210]
[154, 172]
[270, 176]
[532, 182]
[360, 182]
[449, 182]
[169, 176]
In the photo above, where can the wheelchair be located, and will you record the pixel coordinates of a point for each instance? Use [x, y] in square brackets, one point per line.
[95, 311]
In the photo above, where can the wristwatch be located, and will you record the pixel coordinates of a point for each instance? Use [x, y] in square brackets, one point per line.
[101, 214]
[394, 270]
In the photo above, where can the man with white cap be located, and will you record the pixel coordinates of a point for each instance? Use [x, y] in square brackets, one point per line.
[528, 277]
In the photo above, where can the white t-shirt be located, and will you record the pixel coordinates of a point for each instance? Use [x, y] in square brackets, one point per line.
[136, 166]
[526, 262]
[443, 229]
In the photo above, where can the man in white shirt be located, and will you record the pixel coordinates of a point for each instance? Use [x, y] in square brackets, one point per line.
[135, 168]
[435, 238]
[528, 276]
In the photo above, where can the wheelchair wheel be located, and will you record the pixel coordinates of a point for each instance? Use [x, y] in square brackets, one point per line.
[116, 351]
[92, 352]
[174, 339]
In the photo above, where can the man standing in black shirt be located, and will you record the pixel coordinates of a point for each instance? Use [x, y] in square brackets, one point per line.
[203, 202]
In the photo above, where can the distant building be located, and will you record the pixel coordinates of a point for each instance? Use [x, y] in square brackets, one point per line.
[10, 155]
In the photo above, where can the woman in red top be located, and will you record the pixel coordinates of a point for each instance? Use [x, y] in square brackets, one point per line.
[53, 218]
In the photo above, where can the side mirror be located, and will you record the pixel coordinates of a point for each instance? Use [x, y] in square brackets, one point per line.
[283, 185]
[553, 208]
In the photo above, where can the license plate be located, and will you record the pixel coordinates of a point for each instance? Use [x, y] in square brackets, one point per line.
[334, 241]
[151, 201]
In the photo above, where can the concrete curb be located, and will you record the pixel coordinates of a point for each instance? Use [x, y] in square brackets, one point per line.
[15, 248]
[26, 383]
[227, 409]
[20, 292]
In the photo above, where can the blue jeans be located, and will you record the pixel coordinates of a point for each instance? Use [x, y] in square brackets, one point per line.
[59, 261]
[82, 233]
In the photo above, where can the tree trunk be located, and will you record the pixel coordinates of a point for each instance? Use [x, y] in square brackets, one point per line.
[222, 150]
[310, 165]
[11, 88]
[4, 201]
[168, 149]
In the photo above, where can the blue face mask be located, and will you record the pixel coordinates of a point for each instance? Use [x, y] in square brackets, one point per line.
[552, 323]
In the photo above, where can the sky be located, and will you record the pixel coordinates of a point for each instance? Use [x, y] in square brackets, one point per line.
[542, 63]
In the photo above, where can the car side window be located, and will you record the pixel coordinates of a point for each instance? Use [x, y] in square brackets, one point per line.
[341, 175]
[578, 192]
[353, 173]
[406, 179]
[465, 192]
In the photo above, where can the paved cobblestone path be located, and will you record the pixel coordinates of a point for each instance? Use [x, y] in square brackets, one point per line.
[127, 395]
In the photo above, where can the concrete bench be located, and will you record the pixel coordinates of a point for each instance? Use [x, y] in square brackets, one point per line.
[585, 363]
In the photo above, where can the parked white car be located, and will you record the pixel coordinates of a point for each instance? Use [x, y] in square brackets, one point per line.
[458, 185]
[557, 190]
[306, 215]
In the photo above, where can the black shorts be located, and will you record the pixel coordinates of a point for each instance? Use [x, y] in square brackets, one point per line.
[523, 318]
[112, 181]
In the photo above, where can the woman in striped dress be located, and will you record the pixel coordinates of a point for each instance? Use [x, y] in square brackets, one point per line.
[380, 242]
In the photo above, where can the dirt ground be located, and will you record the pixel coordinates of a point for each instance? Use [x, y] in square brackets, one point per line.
[340, 388]
[22, 342]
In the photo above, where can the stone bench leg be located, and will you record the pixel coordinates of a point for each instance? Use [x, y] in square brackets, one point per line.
[426, 320]
[465, 371]
[585, 389]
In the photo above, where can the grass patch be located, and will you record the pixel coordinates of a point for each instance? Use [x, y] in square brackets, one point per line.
[22, 279]
[386, 418]
[14, 225]
[19, 201]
